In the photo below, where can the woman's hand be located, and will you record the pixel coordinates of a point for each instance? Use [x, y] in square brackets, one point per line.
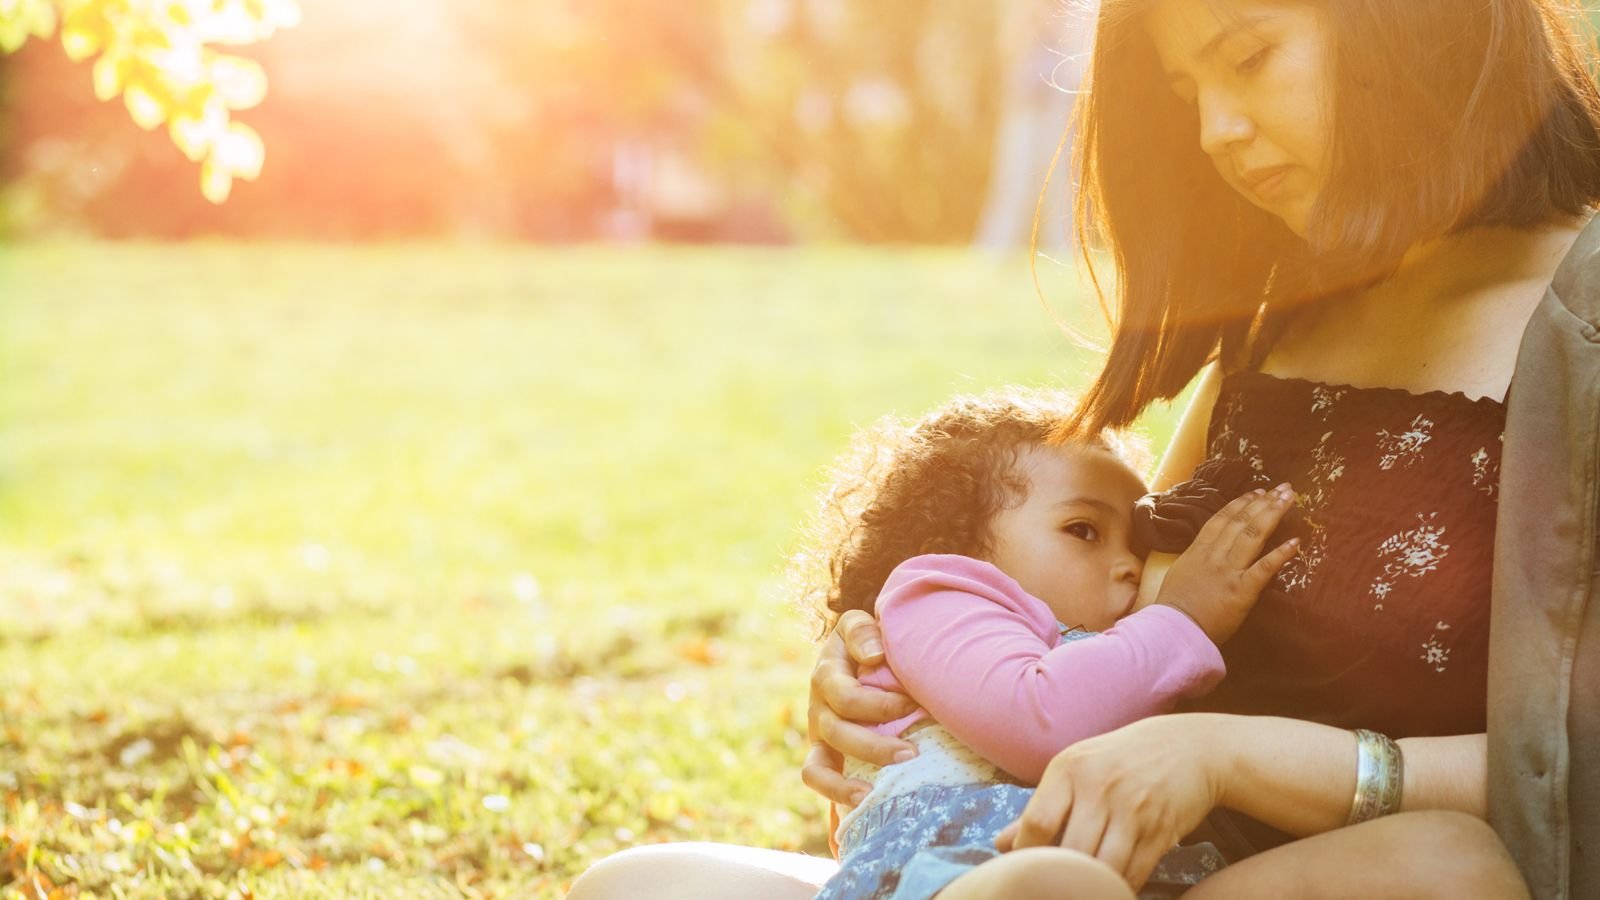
[1128, 796]
[838, 697]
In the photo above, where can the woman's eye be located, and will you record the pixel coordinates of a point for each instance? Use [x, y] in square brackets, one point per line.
[1254, 61]
[1082, 531]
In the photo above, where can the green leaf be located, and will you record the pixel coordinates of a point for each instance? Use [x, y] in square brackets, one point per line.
[108, 76]
[84, 33]
[215, 182]
[79, 44]
[240, 82]
[146, 109]
[13, 34]
[41, 18]
[240, 151]
[196, 136]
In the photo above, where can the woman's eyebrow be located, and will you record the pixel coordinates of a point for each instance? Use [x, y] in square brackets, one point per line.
[1228, 31]
[1224, 32]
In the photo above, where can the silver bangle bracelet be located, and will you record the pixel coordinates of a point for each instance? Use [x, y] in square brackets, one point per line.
[1380, 776]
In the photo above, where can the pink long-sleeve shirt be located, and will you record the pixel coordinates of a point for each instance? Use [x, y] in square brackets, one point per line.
[985, 659]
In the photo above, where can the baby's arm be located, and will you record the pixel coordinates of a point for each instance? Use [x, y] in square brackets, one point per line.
[981, 655]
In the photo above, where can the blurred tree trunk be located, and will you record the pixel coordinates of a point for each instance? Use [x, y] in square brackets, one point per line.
[1047, 45]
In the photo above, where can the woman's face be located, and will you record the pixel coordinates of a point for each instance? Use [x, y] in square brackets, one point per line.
[1257, 74]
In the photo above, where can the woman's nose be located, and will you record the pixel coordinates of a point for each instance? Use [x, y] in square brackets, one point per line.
[1224, 124]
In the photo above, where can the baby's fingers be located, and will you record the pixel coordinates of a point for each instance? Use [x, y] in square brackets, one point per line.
[1220, 526]
[1251, 529]
[1257, 576]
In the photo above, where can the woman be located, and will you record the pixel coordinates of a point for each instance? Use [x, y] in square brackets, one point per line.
[1364, 233]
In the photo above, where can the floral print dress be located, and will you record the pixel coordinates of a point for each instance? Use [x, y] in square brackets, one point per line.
[1382, 620]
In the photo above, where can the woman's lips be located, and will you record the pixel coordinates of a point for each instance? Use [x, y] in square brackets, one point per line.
[1267, 185]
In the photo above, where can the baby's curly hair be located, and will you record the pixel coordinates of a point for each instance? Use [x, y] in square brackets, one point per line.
[927, 486]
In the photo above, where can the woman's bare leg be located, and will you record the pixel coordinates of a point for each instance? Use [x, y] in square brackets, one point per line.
[1038, 873]
[703, 871]
[1411, 855]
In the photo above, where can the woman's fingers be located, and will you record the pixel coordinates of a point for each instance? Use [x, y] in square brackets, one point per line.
[861, 636]
[832, 661]
[838, 689]
[1042, 819]
[1142, 861]
[1117, 846]
[861, 742]
[1006, 840]
[834, 685]
[822, 774]
[1086, 827]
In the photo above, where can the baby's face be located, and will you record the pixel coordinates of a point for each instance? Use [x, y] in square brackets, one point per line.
[1067, 542]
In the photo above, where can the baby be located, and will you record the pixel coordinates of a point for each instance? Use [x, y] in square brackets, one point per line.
[1000, 567]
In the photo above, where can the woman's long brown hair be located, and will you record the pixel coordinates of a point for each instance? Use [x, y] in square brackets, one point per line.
[1448, 115]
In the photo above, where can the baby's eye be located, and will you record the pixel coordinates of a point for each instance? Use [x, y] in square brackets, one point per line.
[1082, 530]
[1254, 61]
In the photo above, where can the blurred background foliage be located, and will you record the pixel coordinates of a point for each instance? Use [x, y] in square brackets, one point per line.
[747, 120]
[160, 59]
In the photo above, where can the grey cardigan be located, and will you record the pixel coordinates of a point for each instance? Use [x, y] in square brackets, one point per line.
[1544, 642]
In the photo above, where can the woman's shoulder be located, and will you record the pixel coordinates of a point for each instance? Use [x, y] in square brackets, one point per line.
[1576, 284]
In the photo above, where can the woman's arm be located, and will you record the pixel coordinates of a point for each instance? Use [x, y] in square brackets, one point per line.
[1186, 451]
[1188, 446]
[1300, 777]
[1126, 797]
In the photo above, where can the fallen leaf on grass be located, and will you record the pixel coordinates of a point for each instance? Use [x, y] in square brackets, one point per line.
[347, 767]
[347, 702]
[701, 651]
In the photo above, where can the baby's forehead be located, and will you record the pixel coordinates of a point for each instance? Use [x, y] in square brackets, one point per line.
[1087, 470]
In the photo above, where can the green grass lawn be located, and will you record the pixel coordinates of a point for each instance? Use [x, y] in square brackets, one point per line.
[427, 570]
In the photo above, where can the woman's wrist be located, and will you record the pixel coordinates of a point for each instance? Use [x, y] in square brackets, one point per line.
[1214, 741]
[1299, 776]
[1224, 751]
[1294, 775]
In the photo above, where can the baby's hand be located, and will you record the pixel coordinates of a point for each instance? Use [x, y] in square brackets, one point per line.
[1217, 580]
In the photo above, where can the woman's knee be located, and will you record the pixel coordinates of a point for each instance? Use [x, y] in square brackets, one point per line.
[1041, 872]
[702, 871]
[1461, 856]
[1412, 855]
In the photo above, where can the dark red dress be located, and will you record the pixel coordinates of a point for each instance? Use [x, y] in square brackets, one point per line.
[1382, 621]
